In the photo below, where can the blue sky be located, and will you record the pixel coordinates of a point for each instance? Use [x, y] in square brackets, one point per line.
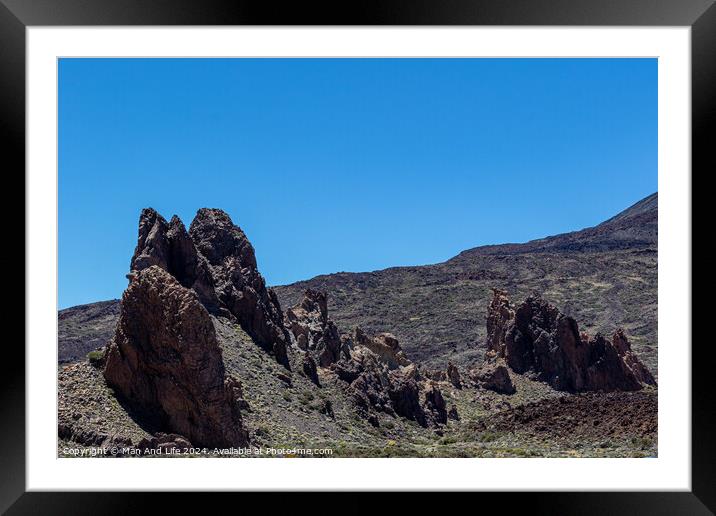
[346, 164]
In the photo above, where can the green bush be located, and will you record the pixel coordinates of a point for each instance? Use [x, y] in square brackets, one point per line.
[96, 358]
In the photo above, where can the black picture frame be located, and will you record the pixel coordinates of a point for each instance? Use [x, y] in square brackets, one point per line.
[700, 15]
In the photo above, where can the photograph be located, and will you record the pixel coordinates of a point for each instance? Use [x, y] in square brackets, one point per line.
[265, 257]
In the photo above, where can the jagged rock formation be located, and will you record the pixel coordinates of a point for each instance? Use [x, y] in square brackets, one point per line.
[164, 360]
[311, 370]
[216, 260]
[239, 286]
[384, 380]
[379, 374]
[385, 345]
[398, 299]
[453, 374]
[640, 371]
[434, 403]
[168, 245]
[313, 331]
[493, 376]
[536, 337]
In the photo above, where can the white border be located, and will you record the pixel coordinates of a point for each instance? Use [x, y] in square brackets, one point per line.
[671, 470]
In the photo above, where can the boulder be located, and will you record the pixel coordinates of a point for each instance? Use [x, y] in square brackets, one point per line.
[495, 377]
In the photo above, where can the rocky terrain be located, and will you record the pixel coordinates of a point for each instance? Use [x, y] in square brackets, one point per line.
[200, 357]
[604, 277]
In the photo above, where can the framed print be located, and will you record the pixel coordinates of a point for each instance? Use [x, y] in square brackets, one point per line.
[428, 248]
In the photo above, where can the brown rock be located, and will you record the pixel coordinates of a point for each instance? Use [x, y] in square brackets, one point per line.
[623, 347]
[453, 375]
[385, 346]
[164, 360]
[168, 245]
[438, 375]
[310, 369]
[495, 377]
[216, 260]
[537, 337]
[404, 394]
[368, 379]
[435, 404]
[239, 286]
[313, 331]
[398, 391]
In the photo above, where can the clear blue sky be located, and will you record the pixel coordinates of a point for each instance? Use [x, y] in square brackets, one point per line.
[346, 164]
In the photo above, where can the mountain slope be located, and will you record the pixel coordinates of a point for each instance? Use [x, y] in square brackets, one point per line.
[84, 328]
[604, 276]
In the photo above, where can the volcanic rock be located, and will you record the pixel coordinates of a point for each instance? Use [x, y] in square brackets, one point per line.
[439, 375]
[404, 394]
[165, 362]
[239, 286]
[379, 383]
[313, 331]
[536, 337]
[435, 404]
[310, 369]
[169, 246]
[453, 375]
[640, 371]
[385, 346]
[495, 377]
[215, 260]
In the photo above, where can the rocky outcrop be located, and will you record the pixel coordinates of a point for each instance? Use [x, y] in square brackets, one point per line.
[313, 331]
[239, 286]
[368, 379]
[165, 363]
[379, 383]
[168, 245]
[434, 404]
[404, 393]
[453, 374]
[310, 369]
[536, 337]
[216, 261]
[493, 376]
[640, 371]
[385, 346]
